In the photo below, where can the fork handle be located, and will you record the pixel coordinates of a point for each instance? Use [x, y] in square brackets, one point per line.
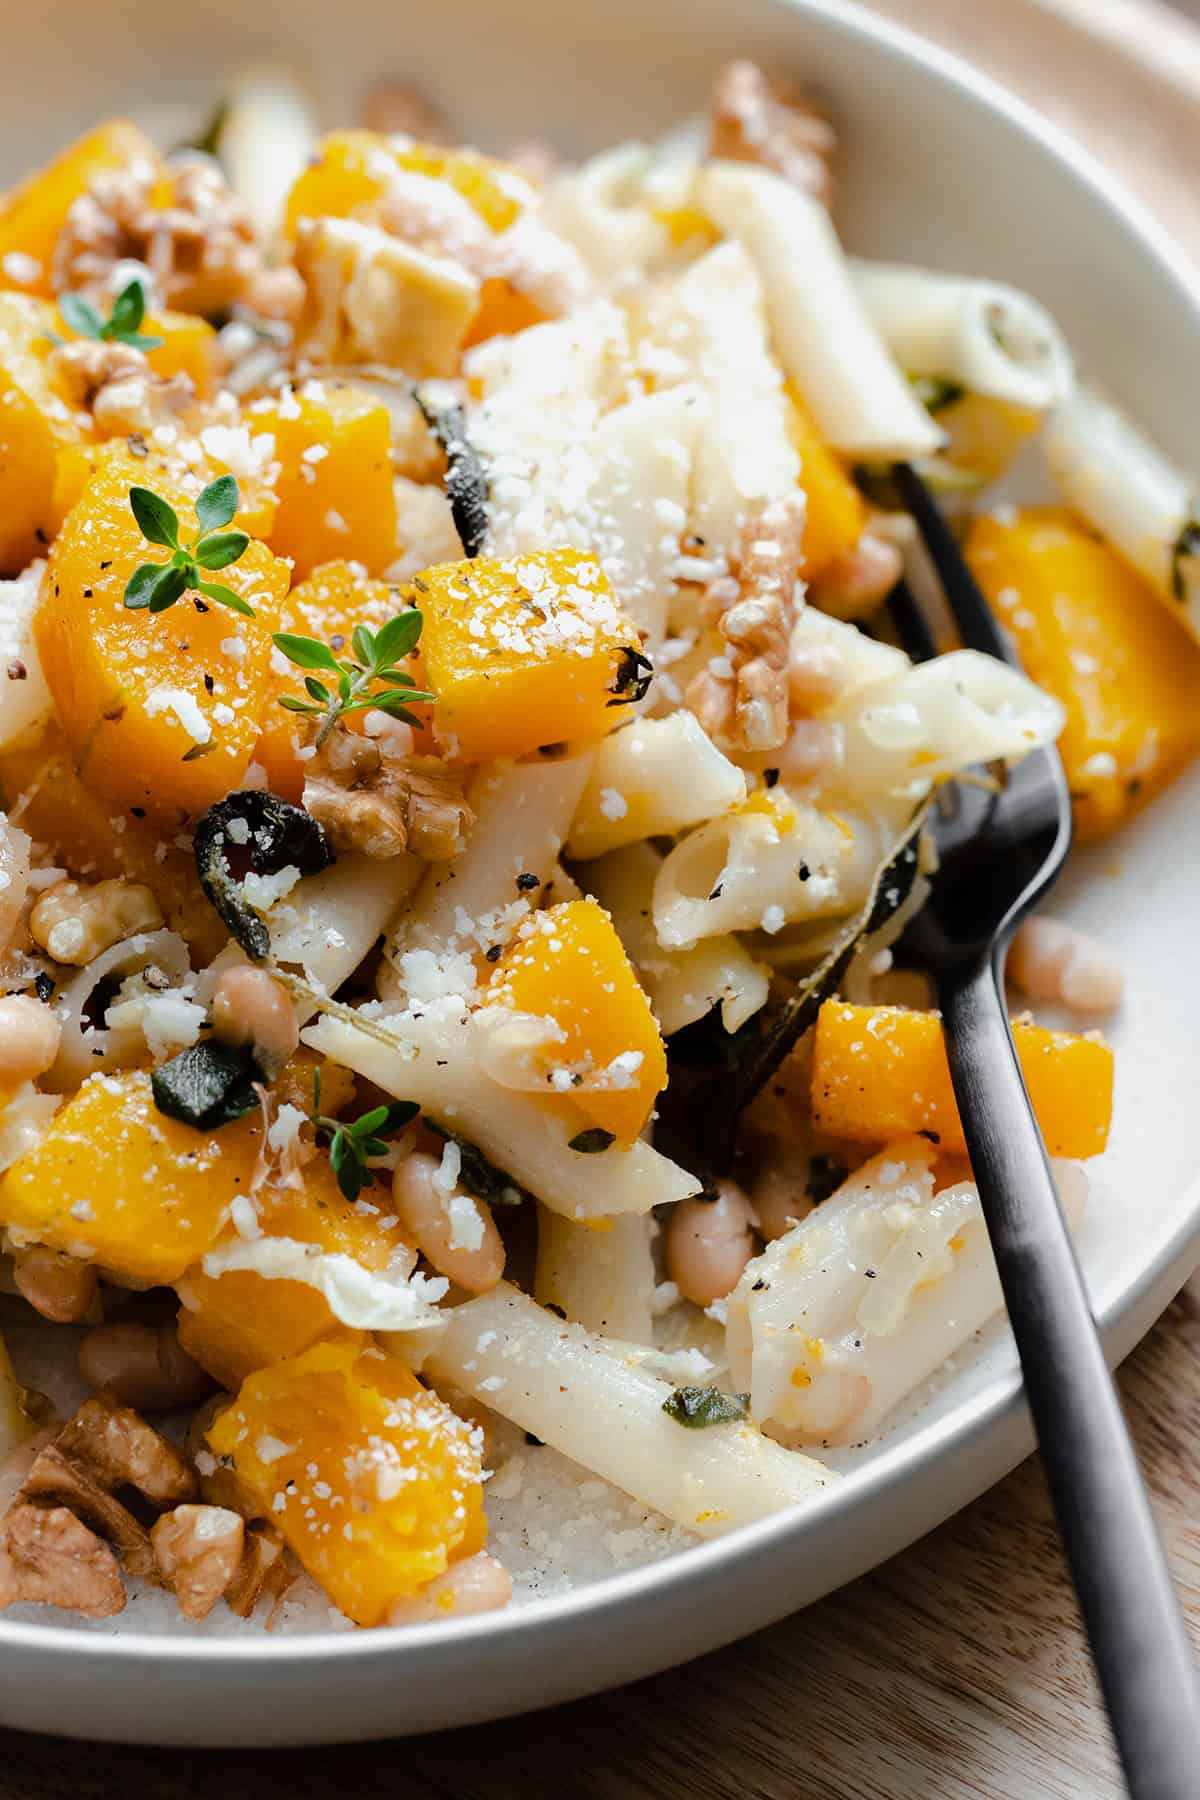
[1137, 1636]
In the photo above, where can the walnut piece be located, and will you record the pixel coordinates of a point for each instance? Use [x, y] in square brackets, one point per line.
[263, 1570]
[49, 1556]
[122, 1450]
[115, 383]
[755, 608]
[771, 123]
[198, 1552]
[200, 250]
[369, 798]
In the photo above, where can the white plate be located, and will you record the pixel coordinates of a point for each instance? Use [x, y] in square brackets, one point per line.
[938, 166]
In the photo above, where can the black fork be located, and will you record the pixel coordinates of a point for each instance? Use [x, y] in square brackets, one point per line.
[1000, 852]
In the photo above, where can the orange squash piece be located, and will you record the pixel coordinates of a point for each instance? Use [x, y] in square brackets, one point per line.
[880, 1072]
[569, 965]
[352, 171]
[836, 512]
[188, 348]
[115, 1180]
[235, 1323]
[374, 1483]
[503, 311]
[129, 686]
[524, 652]
[1090, 631]
[33, 214]
[336, 499]
[334, 599]
[39, 434]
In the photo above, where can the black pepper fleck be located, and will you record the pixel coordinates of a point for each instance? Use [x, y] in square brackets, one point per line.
[526, 882]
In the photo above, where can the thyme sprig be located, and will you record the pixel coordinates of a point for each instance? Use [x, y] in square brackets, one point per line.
[353, 1142]
[377, 653]
[123, 325]
[159, 585]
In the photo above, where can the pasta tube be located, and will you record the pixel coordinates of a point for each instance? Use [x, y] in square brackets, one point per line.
[1130, 493]
[981, 335]
[653, 779]
[827, 343]
[849, 1311]
[554, 1379]
[431, 1055]
[600, 1273]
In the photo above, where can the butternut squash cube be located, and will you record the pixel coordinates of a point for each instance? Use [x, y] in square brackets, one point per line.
[129, 686]
[335, 598]
[333, 446]
[1090, 631]
[374, 1483]
[568, 964]
[352, 173]
[38, 433]
[836, 511]
[235, 1323]
[33, 214]
[188, 348]
[120, 1183]
[880, 1071]
[524, 652]
[503, 311]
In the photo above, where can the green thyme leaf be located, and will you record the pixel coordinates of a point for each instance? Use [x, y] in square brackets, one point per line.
[157, 521]
[213, 590]
[291, 703]
[305, 652]
[81, 315]
[171, 584]
[397, 638]
[221, 549]
[129, 309]
[140, 587]
[317, 689]
[218, 503]
[697, 1407]
[363, 639]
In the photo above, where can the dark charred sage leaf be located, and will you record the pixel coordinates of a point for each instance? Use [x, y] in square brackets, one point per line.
[466, 483]
[480, 1177]
[211, 1084]
[265, 834]
[697, 1407]
[1186, 549]
[635, 672]
[592, 1141]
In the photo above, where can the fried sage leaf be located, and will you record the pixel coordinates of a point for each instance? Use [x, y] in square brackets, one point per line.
[697, 1407]
[481, 1178]
[266, 835]
[466, 483]
[211, 1084]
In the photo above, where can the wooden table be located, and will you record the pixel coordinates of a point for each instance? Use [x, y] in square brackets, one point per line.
[958, 1671]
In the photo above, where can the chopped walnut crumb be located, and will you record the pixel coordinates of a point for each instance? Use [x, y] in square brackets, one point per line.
[771, 123]
[264, 1569]
[198, 1551]
[49, 1556]
[394, 106]
[115, 383]
[745, 704]
[368, 798]
[200, 249]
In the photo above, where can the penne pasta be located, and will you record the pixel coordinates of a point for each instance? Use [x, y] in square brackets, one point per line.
[330, 921]
[430, 1057]
[979, 335]
[1133, 495]
[683, 985]
[599, 1273]
[653, 779]
[554, 1379]
[850, 1310]
[828, 346]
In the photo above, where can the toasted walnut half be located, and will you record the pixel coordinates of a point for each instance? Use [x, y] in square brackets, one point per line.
[771, 123]
[370, 799]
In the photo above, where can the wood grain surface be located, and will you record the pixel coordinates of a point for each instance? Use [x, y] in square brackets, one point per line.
[958, 1671]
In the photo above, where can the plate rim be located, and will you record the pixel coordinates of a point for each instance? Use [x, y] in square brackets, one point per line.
[987, 1415]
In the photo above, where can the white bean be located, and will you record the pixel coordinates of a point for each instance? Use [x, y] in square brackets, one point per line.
[1054, 961]
[708, 1243]
[248, 1007]
[468, 1251]
[29, 1034]
[853, 586]
[143, 1366]
[780, 1199]
[59, 1287]
[478, 1584]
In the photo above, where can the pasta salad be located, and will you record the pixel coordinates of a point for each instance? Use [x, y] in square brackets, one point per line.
[462, 795]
